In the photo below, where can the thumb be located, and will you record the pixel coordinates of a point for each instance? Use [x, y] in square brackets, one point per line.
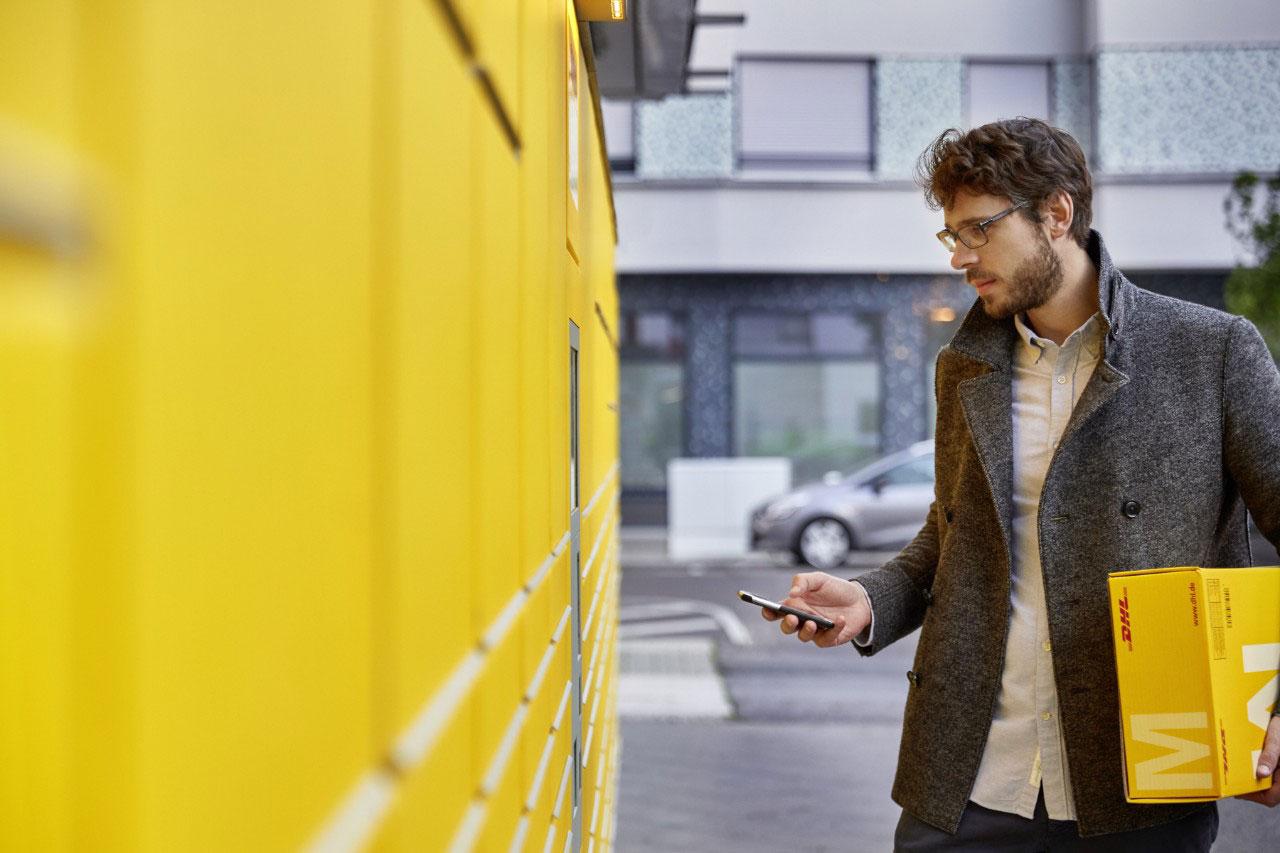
[1270, 749]
[804, 583]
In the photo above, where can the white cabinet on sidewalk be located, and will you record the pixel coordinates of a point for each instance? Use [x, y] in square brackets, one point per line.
[708, 501]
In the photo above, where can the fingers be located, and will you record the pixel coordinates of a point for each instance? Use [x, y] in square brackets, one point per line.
[806, 582]
[1267, 767]
[811, 633]
[1269, 798]
[836, 636]
[1270, 750]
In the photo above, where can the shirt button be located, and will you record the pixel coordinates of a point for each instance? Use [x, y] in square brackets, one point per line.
[1045, 716]
[1046, 645]
[1062, 380]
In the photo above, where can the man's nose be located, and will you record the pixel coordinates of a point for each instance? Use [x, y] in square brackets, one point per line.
[963, 257]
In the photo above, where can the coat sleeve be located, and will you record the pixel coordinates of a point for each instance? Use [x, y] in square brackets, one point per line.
[898, 589]
[1251, 424]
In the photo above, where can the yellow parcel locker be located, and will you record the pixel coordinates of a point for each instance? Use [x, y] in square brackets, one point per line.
[1197, 653]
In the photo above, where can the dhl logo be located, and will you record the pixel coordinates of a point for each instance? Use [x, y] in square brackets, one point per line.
[1126, 630]
[1155, 774]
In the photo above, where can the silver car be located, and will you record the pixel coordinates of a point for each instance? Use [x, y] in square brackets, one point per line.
[880, 507]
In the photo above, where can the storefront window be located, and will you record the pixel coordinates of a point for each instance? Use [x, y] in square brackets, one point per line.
[807, 387]
[651, 387]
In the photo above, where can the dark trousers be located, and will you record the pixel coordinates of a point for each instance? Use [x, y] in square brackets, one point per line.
[987, 830]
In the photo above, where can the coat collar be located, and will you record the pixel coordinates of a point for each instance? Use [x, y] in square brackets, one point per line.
[993, 341]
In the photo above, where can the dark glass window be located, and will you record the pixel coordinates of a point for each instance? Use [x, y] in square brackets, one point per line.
[807, 387]
[651, 391]
[816, 334]
[917, 471]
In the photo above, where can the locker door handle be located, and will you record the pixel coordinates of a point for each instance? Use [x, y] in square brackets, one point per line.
[43, 195]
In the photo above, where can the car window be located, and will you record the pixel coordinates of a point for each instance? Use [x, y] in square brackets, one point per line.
[914, 472]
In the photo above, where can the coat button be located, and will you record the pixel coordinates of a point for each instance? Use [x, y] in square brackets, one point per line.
[1131, 509]
[949, 515]
[914, 678]
[927, 595]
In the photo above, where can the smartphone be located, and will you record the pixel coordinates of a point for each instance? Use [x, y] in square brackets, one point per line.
[803, 615]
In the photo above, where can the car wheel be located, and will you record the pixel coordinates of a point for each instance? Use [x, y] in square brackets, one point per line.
[824, 543]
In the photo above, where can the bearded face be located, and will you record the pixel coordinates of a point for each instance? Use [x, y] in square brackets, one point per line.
[1033, 282]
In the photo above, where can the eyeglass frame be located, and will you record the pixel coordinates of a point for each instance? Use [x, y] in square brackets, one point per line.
[981, 226]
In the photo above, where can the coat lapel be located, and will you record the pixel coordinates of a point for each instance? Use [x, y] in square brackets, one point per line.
[1116, 299]
[987, 401]
[988, 411]
[1105, 384]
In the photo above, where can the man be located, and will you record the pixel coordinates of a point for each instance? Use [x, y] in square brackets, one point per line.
[1084, 426]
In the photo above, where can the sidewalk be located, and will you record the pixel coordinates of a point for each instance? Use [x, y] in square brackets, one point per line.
[740, 739]
[761, 743]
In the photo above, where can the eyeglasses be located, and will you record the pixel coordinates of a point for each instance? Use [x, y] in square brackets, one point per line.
[975, 235]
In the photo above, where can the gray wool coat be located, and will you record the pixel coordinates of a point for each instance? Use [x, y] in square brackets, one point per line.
[1177, 431]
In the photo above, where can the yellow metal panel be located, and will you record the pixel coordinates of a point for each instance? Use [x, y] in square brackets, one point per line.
[503, 815]
[38, 45]
[37, 351]
[433, 797]
[45, 288]
[494, 703]
[495, 371]
[497, 37]
[258, 630]
[431, 318]
[540, 266]
[103, 733]
[577, 93]
[254, 425]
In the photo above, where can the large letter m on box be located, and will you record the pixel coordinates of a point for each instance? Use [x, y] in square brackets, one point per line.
[1153, 773]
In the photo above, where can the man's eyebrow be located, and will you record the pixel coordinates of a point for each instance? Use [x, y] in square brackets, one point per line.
[964, 222]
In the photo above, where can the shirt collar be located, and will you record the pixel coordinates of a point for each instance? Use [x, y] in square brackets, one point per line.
[1089, 334]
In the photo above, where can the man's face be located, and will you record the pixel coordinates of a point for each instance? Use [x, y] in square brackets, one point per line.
[1017, 270]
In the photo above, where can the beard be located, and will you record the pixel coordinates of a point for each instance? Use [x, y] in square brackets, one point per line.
[1032, 284]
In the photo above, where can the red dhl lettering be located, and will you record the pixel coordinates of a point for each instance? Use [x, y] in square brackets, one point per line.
[1126, 632]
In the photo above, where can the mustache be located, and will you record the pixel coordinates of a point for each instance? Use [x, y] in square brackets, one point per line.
[972, 276]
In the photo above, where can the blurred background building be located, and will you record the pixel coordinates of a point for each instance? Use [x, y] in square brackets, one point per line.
[781, 291]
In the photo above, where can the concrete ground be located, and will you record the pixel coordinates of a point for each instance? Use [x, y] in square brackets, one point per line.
[737, 738]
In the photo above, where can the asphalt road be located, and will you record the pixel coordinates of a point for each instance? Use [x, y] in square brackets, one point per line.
[805, 759]
[801, 754]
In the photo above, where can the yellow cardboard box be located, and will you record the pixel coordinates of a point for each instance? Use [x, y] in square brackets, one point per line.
[1197, 652]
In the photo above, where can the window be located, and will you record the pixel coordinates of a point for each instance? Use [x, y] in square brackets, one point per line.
[618, 135]
[807, 387]
[651, 391]
[918, 471]
[999, 90]
[805, 114]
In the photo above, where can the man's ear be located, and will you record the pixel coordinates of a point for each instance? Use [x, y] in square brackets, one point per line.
[1057, 213]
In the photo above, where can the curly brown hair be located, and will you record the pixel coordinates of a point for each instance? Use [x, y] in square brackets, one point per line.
[1022, 159]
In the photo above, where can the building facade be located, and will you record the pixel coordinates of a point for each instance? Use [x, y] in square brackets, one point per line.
[781, 291]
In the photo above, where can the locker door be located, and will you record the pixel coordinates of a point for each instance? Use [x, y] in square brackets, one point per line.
[44, 258]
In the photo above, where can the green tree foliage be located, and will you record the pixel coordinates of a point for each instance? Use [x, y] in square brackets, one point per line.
[1253, 218]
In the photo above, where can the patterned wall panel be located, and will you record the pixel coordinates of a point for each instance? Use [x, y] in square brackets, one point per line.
[687, 136]
[1072, 106]
[1188, 110]
[915, 101]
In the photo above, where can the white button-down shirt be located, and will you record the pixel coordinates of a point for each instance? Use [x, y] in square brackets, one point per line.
[1025, 750]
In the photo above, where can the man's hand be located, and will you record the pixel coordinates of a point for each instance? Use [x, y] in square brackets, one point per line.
[1267, 767]
[842, 602]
